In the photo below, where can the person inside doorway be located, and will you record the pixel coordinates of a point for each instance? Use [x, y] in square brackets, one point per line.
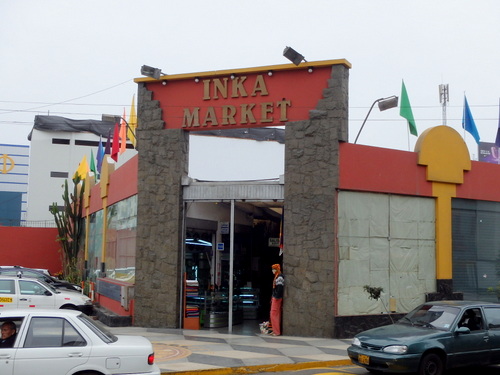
[277, 299]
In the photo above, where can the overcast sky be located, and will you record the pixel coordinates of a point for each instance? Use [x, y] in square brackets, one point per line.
[78, 59]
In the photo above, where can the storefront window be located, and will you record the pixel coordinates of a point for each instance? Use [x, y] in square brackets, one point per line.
[95, 245]
[476, 244]
[121, 240]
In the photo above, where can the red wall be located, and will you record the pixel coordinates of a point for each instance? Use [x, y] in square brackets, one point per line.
[366, 168]
[122, 184]
[481, 182]
[30, 247]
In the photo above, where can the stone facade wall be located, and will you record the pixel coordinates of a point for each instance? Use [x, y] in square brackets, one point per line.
[311, 180]
[163, 161]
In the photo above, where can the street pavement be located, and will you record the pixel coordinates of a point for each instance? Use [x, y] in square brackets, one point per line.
[219, 352]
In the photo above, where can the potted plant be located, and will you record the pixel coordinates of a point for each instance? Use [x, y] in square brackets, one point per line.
[374, 292]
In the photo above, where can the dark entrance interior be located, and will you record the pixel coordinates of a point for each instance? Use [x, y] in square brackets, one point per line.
[207, 267]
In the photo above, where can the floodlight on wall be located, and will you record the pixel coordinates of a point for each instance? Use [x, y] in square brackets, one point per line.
[292, 55]
[383, 104]
[149, 71]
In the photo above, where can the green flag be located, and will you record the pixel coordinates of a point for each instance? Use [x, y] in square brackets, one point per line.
[406, 112]
[92, 163]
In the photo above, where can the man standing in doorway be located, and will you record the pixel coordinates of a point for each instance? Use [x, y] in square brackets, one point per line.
[277, 299]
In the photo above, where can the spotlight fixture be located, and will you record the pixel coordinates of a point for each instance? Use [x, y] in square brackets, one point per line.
[196, 79]
[149, 71]
[292, 55]
[232, 76]
[310, 70]
[270, 73]
[383, 104]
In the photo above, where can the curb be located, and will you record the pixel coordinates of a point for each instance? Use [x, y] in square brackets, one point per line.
[263, 368]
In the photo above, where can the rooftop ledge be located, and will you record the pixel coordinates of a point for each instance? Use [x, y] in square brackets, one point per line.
[216, 73]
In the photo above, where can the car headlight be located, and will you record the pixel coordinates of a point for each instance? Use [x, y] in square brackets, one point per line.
[396, 349]
[356, 342]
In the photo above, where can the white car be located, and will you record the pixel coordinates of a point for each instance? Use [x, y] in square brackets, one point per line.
[32, 293]
[68, 342]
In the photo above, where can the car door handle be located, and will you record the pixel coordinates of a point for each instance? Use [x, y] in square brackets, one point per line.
[80, 354]
[4, 356]
[23, 299]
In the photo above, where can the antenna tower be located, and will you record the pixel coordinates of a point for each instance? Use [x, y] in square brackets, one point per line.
[443, 99]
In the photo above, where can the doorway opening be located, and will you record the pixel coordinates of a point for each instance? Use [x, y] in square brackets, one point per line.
[226, 261]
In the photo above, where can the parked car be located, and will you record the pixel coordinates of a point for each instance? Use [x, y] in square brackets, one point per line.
[434, 337]
[43, 270]
[18, 292]
[40, 275]
[65, 342]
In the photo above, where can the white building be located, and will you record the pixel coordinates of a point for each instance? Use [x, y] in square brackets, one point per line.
[57, 147]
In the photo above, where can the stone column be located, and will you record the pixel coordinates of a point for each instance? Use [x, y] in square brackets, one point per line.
[163, 161]
[311, 180]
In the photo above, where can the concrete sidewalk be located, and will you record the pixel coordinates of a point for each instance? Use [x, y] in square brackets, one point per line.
[215, 352]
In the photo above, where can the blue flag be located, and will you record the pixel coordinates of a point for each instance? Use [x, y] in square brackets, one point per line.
[100, 155]
[468, 122]
[497, 141]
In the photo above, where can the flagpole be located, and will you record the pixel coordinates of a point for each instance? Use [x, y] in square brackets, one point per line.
[113, 118]
[497, 140]
[463, 117]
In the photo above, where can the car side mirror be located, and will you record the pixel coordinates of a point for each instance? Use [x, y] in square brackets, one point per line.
[47, 293]
[463, 330]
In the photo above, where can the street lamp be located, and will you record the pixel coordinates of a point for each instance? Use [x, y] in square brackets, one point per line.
[117, 119]
[383, 104]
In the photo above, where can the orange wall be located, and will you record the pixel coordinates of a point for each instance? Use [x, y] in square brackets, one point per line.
[30, 247]
[112, 304]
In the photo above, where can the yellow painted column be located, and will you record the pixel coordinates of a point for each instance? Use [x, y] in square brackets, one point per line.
[89, 184]
[446, 156]
[443, 192]
[106, 170]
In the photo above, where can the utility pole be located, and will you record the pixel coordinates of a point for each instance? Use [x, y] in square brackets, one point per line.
[443, 99]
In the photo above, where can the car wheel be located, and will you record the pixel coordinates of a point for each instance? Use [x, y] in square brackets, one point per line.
[431, 364]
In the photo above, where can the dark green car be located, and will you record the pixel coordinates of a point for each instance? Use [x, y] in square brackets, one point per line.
[434, 337]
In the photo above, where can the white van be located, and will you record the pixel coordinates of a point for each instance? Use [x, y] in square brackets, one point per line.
[32, 293]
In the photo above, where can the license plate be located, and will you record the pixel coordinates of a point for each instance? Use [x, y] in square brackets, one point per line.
[364, 359]
[6, 299]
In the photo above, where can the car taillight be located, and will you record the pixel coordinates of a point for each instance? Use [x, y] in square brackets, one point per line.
[151, 359]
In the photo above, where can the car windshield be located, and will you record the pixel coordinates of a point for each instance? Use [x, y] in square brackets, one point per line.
[98, 328]
[432, 316]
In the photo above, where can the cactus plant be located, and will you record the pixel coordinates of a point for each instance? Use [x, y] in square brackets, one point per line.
[70, 227]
